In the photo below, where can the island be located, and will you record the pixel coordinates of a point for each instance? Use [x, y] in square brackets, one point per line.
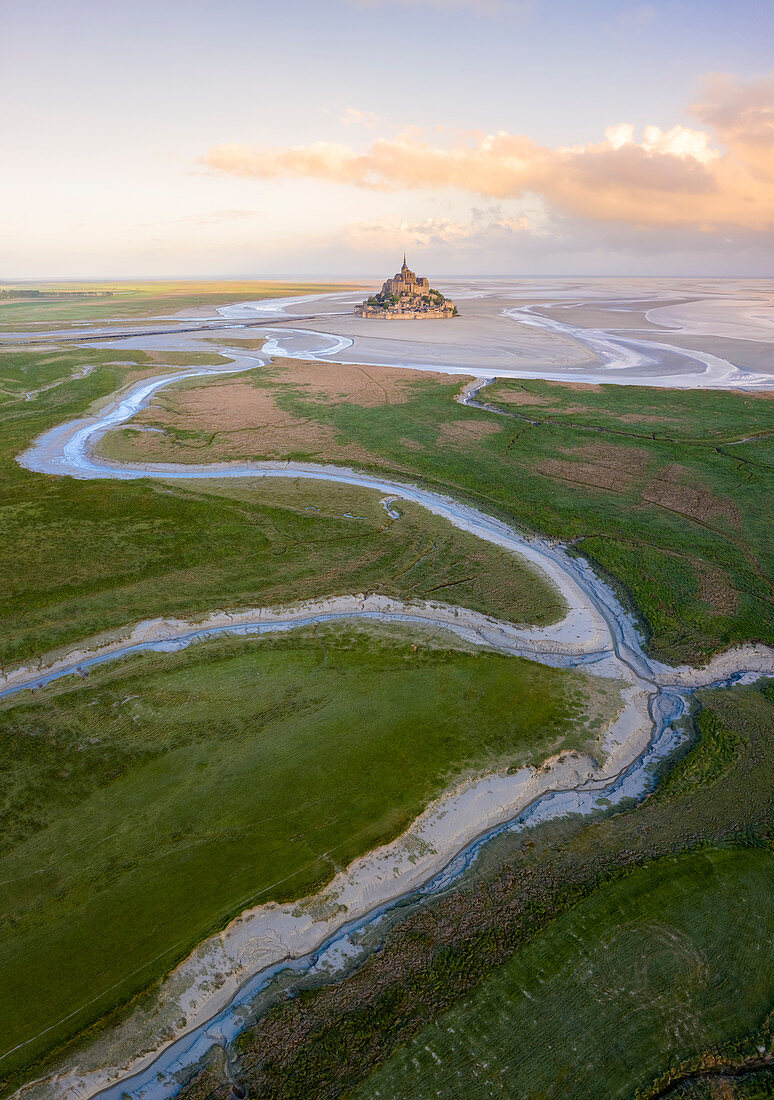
[407, 296]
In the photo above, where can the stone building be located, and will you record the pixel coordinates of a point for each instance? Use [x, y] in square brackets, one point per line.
[407, 296]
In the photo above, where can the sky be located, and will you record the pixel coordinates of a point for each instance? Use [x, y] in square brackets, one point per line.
[485, 137]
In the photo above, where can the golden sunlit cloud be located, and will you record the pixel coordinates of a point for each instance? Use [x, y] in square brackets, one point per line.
[679, 141]
[678, 177]
[742, 116]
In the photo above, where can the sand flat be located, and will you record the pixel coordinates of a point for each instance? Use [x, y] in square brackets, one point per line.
[607, 330]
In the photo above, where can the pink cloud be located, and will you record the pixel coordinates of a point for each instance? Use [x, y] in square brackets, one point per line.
[676, 177]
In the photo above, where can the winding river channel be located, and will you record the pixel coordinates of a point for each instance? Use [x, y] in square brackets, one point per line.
[596, 632]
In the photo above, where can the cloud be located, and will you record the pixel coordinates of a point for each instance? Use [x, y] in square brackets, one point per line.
[742, 116]
[485, 228]
[679, 141]
[353, 117]
[213, 218]
[668, 178]
[738, 110]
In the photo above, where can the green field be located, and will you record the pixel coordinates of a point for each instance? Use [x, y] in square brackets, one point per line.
[672, 960]
[137, 301]
[678, 524]
[82, 557]
[143, 808]
[687, 875]
[141, 811]
[651, 485]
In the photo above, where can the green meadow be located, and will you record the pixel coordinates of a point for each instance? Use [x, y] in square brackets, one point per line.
[83, 557]
[662, 490]
[135, 301]
[143, 809]
[673, 511]
[627, 956]
[671, 960]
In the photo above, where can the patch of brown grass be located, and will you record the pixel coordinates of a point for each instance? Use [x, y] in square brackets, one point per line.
[513, 397]
[257, 428]
[646, 418]
[715, 590]
[461, 433]
[234, 418]
[241, 416]
[366, 386]
[579, 387]
[232, 405]
[675, 488]
[599, 465]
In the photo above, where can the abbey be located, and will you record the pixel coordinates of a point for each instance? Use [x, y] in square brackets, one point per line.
[407, 296]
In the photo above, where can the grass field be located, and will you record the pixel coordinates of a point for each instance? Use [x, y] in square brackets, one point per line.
[656, 916]
[136, 301]
[672, 960]
[654, 486]
[143, 808]
[81, 557]
[141, 811]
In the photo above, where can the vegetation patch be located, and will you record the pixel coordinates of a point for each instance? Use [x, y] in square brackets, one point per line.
[578, 958]
[667, 960]
[617, 468]
[461, 433]
[662, 505]
[82, 557]
[715, 590]
[59, 304]
[243, 417]
[225, 420]
[143, 809]
[675, 488]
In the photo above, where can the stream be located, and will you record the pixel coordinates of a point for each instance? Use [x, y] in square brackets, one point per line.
[595, 627]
